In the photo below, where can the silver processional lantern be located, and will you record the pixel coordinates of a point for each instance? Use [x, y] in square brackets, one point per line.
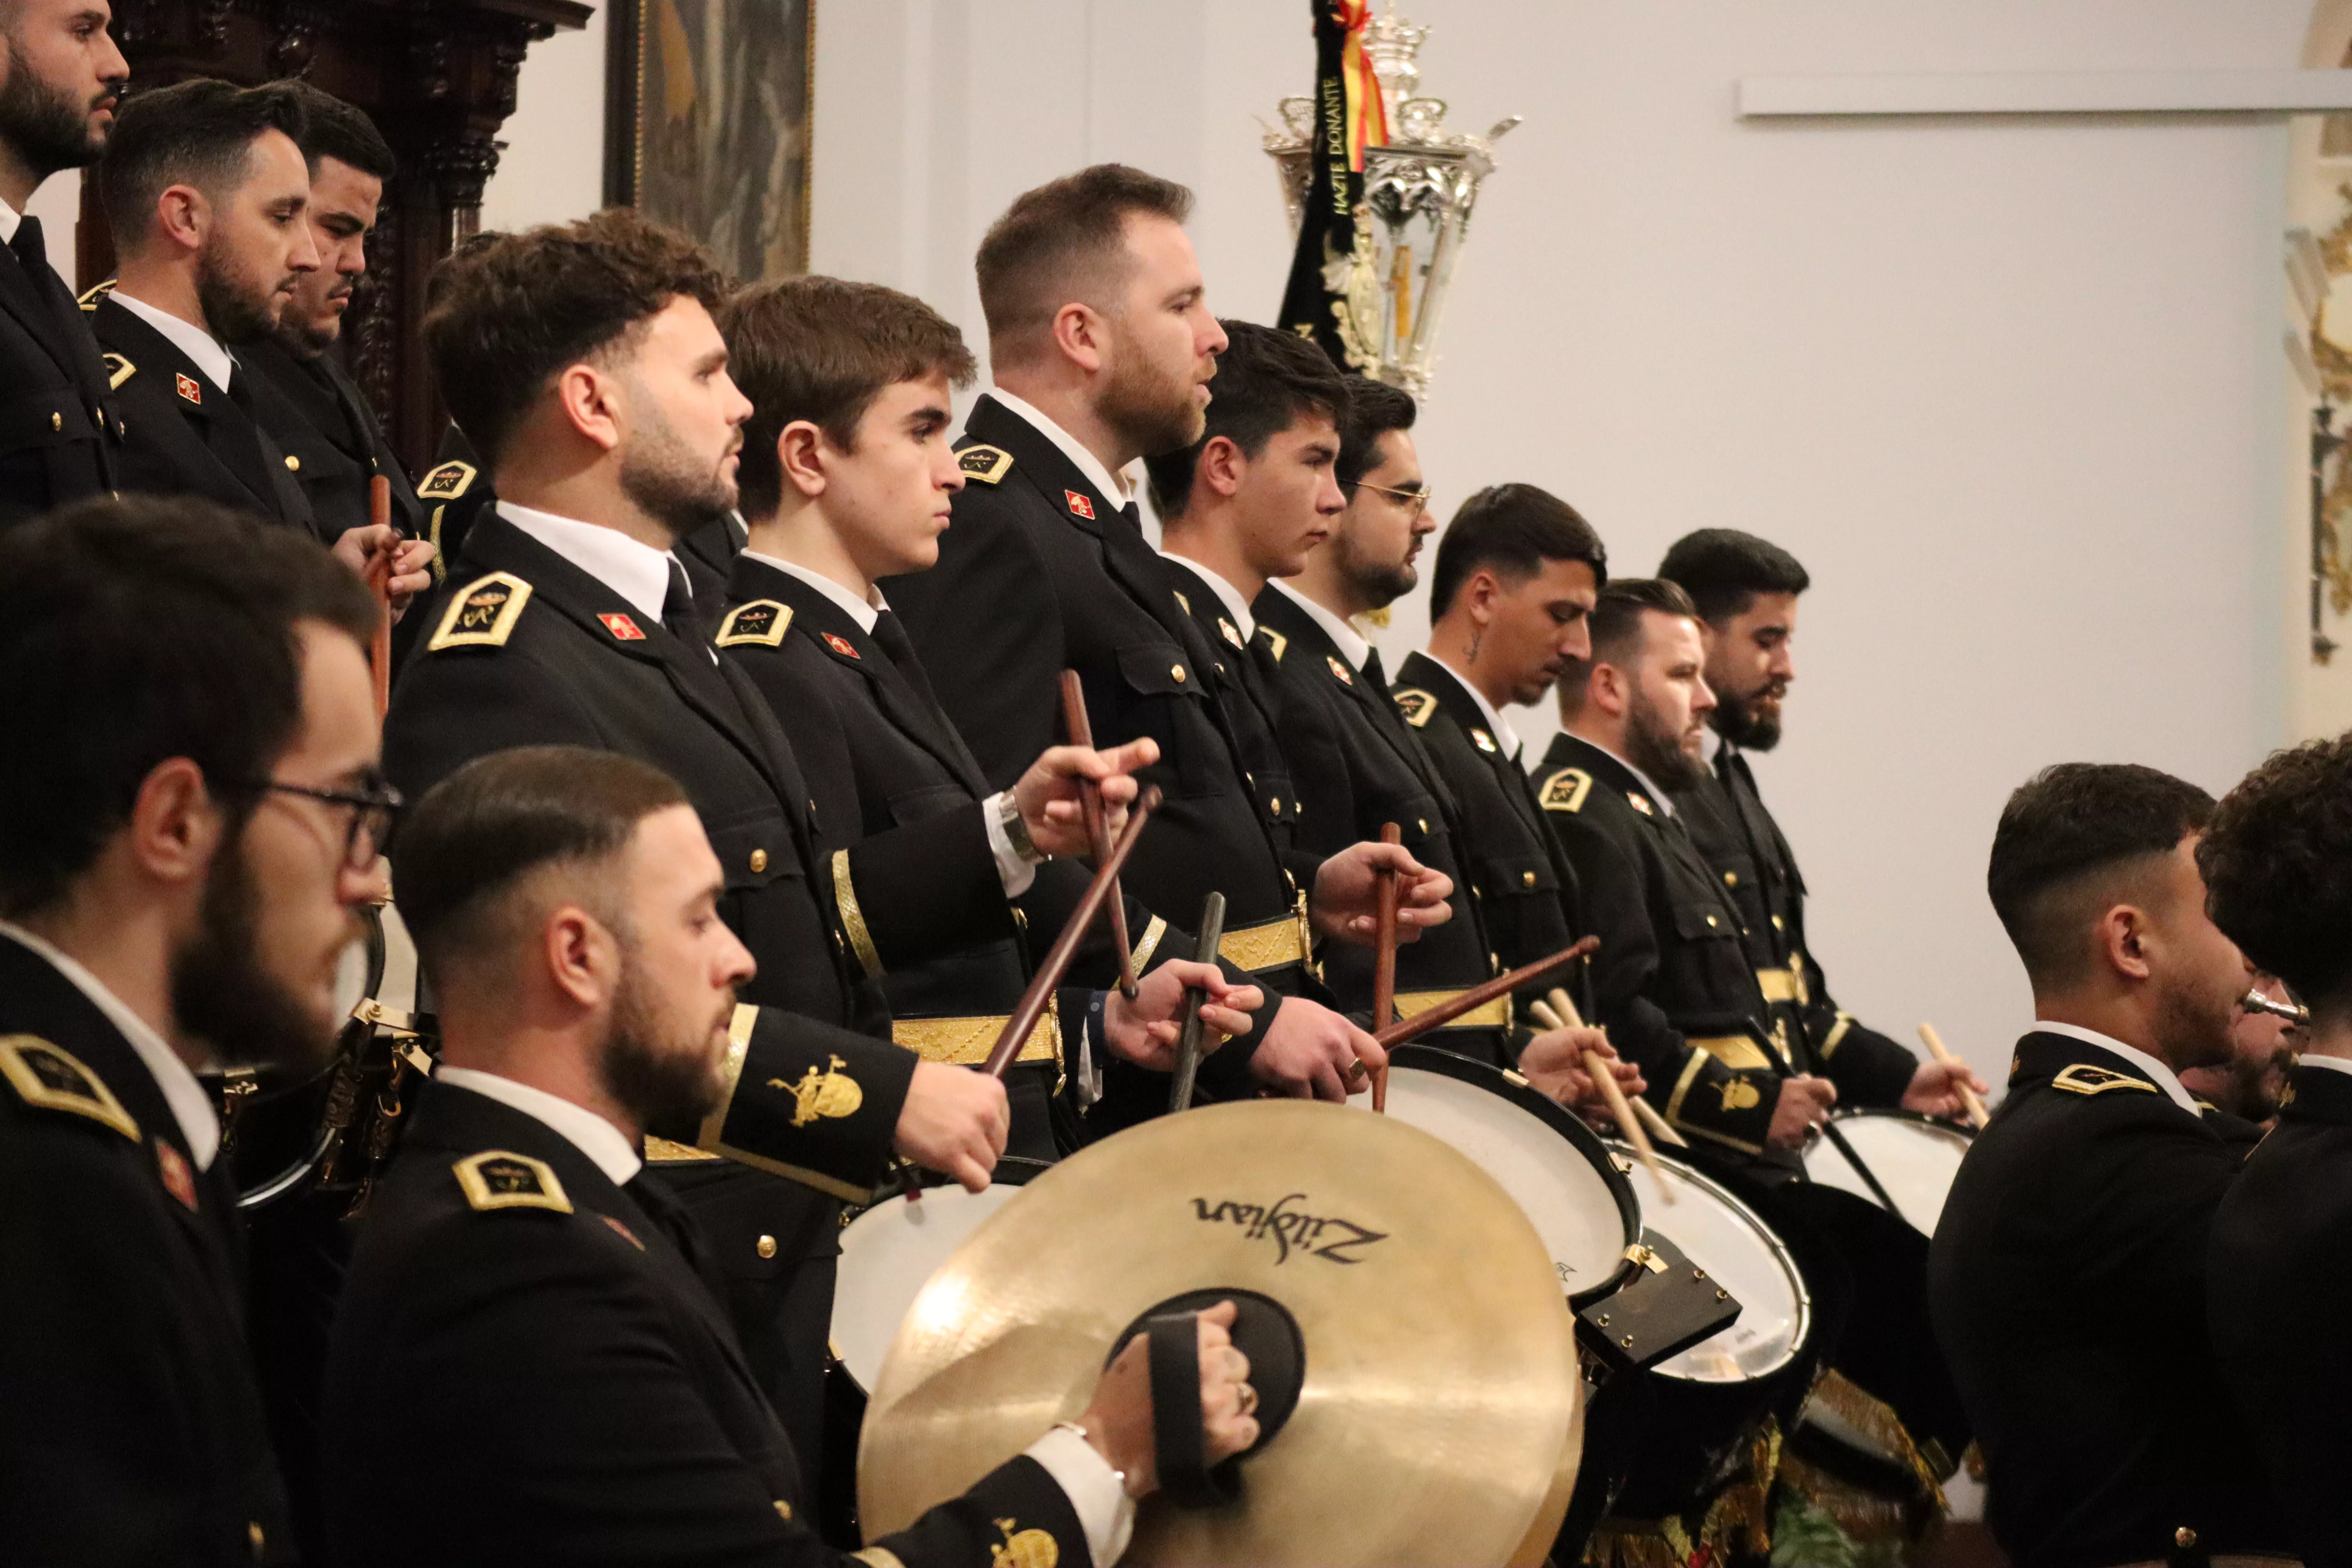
[1419, 188]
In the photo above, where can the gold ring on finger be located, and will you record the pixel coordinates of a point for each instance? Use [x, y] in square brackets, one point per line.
[1249, 1399]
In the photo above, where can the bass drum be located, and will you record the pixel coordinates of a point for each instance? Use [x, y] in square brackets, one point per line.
[1914, 1158]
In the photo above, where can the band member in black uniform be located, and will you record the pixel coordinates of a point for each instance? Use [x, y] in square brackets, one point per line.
[189, 809]
[60, 80]
[1515, 577]
[846, 478]
[1103, 346]
[1746, 591]
[2068, 1274]
[2274, 861]
[585, 360]
[306, 399]
[520, 1271]
[2247, 1089]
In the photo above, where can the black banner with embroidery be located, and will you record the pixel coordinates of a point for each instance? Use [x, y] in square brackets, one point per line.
[1335, 189]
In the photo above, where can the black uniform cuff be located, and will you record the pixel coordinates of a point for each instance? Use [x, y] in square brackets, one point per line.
[921, 890]
[998, 1520]
[810, 1101]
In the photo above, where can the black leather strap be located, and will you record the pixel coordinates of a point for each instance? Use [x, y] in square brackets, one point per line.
[1176, 1415]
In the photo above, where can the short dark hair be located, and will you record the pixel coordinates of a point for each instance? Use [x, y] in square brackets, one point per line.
[1511, 530]
[1615, 625]
[822, 349]
[509, 315]
[479, 832]
[1724, 570]
[2071, 842]
[1374, 408]
[196, 132]
[1062, 241]
[134, 630]
[2277, 860]
[1267, 381]
[340, 130]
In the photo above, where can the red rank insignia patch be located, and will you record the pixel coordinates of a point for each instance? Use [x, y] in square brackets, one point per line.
[178, 1180]
[622, 627]
[842, 646]
[193, 389]
[1080, 504]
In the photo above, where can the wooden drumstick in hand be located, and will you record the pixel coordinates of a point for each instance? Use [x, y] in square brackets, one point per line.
[1935, 1044]
[1611, 1090]
[1384, 945]
[1660, 1128]
[1097, 816]
[378, 582]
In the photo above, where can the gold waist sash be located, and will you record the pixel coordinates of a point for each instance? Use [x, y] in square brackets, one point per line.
[1269, 944]
[966, 1042]
[1495, 1014]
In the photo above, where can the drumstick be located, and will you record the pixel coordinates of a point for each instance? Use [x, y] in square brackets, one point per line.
[1065, 946]
[1935, 1044]
[1188, 1043]
[1384, 943]
[1090, 802]
[1404, 1031]
[379, 579]
[1611, 1090]
[1660, 1128]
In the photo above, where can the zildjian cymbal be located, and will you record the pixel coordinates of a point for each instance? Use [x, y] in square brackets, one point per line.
[1441, 1416]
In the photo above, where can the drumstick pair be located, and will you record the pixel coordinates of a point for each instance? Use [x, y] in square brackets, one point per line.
[1968, 1097]
[1557, 1014]
[1090, 802]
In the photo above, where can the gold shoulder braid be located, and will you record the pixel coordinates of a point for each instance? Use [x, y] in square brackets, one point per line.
[483, 614]
[497, 1179]
[1416, 705]
[984, 464]
[1565, 790]
[761, 621]
[2084, 1079]
[52, 1078]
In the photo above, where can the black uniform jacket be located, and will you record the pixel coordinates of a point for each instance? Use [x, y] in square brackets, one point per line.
[131, 1430]
[2280, 1272]
[1524, 887]
[535, 1356]
[1673, 985]
[321, 421]
[1739, 841]
[1356, 765]
[1246, 675]
[2067, 1279]
[58, 423]
[182, 435]
[1039, 573]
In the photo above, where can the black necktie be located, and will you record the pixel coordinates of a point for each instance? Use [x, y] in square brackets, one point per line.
[676, 1222]
[1134, 516]
[1373, 676]
[889, 634]
[678, 607]
[33, 256]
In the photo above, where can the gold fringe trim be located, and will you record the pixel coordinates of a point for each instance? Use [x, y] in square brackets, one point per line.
[1876, 1420]
[1738, 1521]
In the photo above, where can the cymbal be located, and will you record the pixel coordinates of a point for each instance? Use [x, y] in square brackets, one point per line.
[1442, 1415]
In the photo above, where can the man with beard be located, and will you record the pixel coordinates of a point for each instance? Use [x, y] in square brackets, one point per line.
[521, 1271]
[2275, 862]
[2241, 1096]
[1102, 345]
[2068, 1273]
[1515, 579]
[583, 359]
[1745, 590]
[333, 443]
[178, 885]
[63, 76]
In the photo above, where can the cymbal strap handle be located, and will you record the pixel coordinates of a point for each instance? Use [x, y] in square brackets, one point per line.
[1174, 1340]
[1090, 802]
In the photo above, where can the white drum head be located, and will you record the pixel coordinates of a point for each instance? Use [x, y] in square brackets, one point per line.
[1916, 1161]
[1723, 1235]
[887, 1254]
[1572, 1207]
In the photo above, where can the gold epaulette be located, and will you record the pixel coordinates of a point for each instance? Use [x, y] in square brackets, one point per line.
[497, 1179]
[984, 464]
[2084, 1079]
[483, 614]
[52, 1078]
[761, 621]
[118, 371]
[1565, 790]
[1276, 643]
[447, 482]
[90, 301]
[1415, 704]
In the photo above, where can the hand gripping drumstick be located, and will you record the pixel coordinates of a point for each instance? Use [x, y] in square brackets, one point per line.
[1661, 1129]
[1611, 1090]
[1384, 946]
[1041, 985]
[1934, 1045]
[1188, 1043]
[1090, 802]
[379, 580]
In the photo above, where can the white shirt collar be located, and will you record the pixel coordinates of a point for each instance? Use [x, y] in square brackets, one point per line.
[1505, 736]
[2333, 1064]
[9, 218]
[1711, 744]
[1348, 640]
[593, 1136]
[191, 1107]
[1227, 594]
[856, 608]
[635, 571]
[1113, 487]
[2166, 1079]
[211, 355]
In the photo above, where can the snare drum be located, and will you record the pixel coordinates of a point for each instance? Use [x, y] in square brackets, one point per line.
[891, 1250]
[1914, 1158]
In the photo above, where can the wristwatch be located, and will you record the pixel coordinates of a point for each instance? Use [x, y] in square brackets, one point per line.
[1016, 830]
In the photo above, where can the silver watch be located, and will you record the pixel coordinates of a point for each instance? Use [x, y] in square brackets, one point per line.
[1016, 830]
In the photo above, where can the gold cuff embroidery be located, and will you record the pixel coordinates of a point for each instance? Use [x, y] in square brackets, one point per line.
[1143, 949]
[661, 1150]
[1682, 1085]
[852, 918]
[966, 1042]
[1495, 1014]
[1837, 1035]
[1735, 1051]
[739, 1042]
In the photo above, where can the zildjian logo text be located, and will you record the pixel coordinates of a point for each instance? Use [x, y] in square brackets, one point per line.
[1326, 1235]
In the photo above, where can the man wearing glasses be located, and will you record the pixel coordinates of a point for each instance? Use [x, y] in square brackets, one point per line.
[177, 886]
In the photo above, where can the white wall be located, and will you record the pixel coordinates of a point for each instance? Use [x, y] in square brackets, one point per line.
[2010, 389]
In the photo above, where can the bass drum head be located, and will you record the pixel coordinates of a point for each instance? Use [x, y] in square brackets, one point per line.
[1915, 1159]
[1556, 1167]
[1723, 1235]
[891, 1250]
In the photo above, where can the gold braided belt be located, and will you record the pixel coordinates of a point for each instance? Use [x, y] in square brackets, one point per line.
[1270, 944]
[1495, 1014]
[1781, 986]
[966, 1042]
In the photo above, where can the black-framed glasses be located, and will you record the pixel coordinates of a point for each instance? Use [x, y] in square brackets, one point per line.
[1417, 499]
[374, 808]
